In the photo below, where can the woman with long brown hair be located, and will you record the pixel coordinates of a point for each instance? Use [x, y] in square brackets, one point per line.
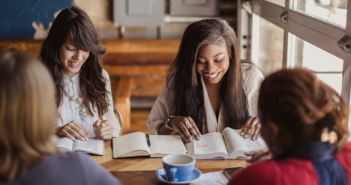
[208, 87]
[72, 52]
[27, 120]
[304, 123]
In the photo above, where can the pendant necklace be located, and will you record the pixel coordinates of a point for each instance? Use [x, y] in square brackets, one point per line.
[83, 112]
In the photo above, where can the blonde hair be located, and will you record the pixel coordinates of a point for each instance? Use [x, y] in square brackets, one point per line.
[27, 114]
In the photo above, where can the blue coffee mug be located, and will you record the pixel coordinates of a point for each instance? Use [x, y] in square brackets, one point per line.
[178, 167]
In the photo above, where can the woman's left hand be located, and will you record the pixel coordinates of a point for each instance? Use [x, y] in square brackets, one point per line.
[103, 129]
[251, 127]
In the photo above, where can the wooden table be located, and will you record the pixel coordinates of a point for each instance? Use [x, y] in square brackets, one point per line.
[142, 170]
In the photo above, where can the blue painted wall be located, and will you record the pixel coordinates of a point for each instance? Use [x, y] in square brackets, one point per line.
[16, 16]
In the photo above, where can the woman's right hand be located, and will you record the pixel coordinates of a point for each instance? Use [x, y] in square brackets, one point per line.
[72, 130]
[186, 128]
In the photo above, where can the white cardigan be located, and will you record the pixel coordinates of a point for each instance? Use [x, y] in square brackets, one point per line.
[162, 108]
[69, 110]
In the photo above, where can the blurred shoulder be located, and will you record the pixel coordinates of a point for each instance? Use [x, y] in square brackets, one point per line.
[263, 172]
[250, 70]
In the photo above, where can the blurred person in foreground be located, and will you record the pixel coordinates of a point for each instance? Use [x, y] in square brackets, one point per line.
[304, 123]
[27, 120]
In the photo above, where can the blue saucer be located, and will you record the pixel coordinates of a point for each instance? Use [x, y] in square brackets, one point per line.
[162, 176]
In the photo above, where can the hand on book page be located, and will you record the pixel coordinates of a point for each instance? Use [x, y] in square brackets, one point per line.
[251, 128]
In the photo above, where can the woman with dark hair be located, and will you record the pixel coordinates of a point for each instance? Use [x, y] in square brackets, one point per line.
[72, 51]
[27, 120]
[208, 87]
[304, 123]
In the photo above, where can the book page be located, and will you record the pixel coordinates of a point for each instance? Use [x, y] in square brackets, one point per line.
[235, 142]
[166, 144]
[65, 143]
[210, 143]
[94, 146]
[212, 178]
[132, 142]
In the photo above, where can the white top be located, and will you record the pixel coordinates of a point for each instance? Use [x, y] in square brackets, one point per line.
[162, 108]
[69, 110]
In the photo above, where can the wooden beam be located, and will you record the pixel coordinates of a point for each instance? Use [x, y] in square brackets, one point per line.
[138, 58]
[142, 46]
[137, 70]
[112, 46]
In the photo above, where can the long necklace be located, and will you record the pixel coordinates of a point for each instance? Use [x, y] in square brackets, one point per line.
[83, 112]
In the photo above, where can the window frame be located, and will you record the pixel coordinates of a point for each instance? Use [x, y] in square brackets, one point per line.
[312, 29]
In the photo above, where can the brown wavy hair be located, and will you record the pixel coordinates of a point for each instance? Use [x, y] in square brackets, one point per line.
[189, 99]
[76, 23]
[27, 114]
[302, 104]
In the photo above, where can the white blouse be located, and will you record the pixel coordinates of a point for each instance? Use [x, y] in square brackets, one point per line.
[163, 106]
[69, 110]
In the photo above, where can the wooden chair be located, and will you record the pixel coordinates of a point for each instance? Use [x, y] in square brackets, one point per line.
[119, 118]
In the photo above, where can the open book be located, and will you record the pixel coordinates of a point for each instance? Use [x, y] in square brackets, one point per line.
[93, 146]
[229, 145]
[136, 145]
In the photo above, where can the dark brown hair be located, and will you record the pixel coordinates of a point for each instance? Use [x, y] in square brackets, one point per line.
[302, 104]
[27, 114]
[76, 23]
[187, 85]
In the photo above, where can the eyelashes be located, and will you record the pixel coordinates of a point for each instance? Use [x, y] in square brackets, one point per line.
[69, 49]
[220, 60]
[215, 61]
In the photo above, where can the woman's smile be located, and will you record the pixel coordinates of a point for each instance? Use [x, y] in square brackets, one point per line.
[212, 76]
[212, 62]
[74, 64]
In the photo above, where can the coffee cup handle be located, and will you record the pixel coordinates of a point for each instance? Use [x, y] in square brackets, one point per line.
[172, 174]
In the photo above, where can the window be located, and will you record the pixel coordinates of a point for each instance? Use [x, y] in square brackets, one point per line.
[310, 31]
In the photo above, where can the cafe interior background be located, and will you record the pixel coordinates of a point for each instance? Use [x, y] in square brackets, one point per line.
[142, 39]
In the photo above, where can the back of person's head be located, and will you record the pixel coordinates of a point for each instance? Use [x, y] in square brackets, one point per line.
[297, 101]
[27, 114]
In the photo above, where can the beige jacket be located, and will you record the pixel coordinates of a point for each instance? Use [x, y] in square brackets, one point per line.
[162, 108]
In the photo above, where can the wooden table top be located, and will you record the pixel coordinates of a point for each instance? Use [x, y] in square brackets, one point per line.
[142, 170]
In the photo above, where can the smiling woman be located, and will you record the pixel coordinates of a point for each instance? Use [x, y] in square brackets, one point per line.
[72, 58]
[72, 52]
[208, 87]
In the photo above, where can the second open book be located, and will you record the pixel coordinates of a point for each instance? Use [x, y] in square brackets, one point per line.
[212, 145]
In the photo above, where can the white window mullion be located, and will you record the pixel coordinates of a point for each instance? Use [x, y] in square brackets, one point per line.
[346, 80]
[346, 88]
[348, 19]
[286, 62]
